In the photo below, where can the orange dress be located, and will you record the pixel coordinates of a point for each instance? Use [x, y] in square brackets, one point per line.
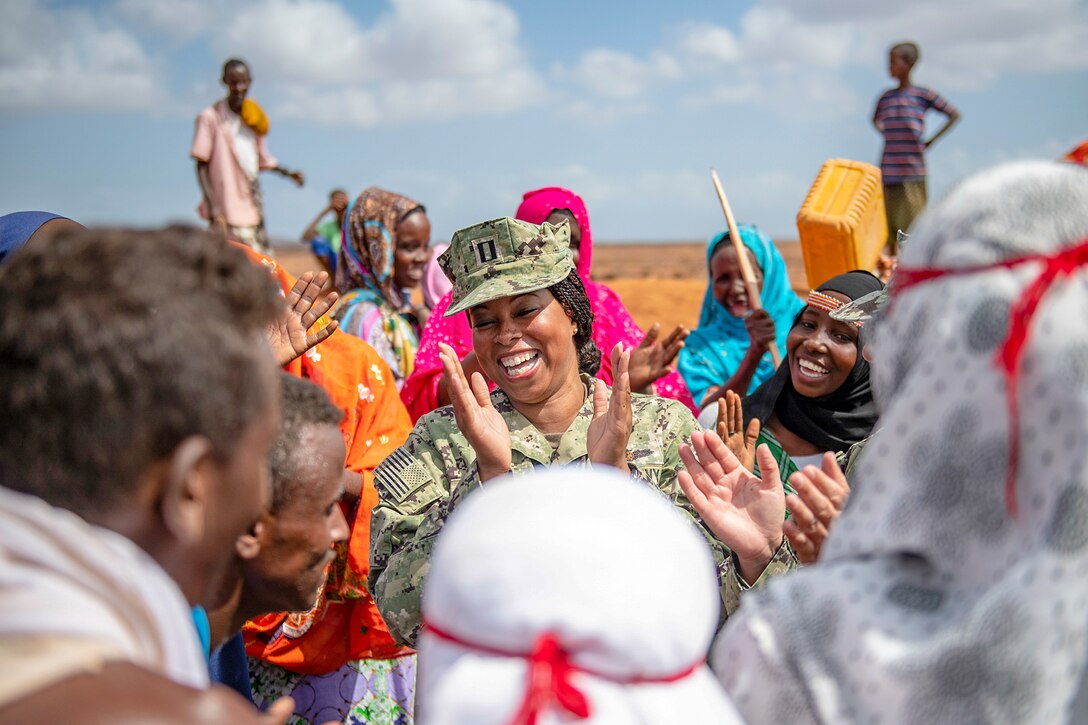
[344, 625]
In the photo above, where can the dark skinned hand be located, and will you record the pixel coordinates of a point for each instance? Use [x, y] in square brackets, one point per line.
[761, 331]
[290, 336]
[652, 359]
[820, 498]
[730, 428]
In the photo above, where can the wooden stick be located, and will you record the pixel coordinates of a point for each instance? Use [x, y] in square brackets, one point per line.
[742, 257]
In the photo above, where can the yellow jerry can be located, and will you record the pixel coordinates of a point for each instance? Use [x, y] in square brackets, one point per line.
[842, 224]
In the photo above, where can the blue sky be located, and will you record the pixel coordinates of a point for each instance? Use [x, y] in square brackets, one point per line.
[465, 104]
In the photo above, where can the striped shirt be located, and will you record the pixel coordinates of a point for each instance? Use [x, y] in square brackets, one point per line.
[900, 116]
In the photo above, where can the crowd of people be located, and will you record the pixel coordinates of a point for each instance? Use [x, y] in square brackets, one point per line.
[466, 487]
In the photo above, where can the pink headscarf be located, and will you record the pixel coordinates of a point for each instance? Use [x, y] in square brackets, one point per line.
[537, 206]
[612, 322]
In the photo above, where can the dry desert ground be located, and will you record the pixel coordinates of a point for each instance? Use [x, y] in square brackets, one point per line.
[658, 282]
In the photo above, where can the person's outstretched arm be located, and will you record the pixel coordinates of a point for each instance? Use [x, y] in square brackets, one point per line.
[311, 230]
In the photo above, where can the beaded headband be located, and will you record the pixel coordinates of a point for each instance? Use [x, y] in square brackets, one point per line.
[827, 303]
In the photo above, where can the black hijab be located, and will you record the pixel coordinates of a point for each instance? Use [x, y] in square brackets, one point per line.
[834, 421]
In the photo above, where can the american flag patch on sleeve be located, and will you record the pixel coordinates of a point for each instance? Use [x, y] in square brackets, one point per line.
[399, 476]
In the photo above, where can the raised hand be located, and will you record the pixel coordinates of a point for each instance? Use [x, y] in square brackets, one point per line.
[476, 417]
[730, 427]
[610, 429]
[820, 498]
[761, 330]
[672, 345]
[743, 511]
[290, 335]
[651, 360]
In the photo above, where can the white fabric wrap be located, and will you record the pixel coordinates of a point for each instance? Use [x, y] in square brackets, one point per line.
[625, 582]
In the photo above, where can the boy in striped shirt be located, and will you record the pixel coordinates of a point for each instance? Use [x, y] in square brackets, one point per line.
[900, 118]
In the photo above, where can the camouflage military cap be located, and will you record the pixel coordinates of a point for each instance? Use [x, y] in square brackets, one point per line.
[505, 257]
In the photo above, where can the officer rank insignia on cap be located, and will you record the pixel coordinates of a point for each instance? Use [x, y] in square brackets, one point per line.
[485, 250]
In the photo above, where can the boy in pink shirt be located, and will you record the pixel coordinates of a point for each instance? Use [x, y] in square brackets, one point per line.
[229, 156]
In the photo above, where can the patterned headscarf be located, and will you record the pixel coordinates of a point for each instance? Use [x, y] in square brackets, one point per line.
[366, 259]
[932, 600]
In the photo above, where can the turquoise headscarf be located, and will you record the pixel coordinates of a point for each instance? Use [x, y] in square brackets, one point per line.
[713, 352]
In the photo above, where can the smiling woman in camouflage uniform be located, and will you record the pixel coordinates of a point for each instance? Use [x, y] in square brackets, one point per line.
[532, 333]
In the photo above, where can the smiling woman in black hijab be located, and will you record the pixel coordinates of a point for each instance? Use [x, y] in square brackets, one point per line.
[819, 400]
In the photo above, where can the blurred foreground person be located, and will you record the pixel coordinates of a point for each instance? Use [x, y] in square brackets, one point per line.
[560, 625]
[132, 469]
[953, 586]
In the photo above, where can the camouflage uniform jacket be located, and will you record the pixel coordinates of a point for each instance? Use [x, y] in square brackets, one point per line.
[422, 481]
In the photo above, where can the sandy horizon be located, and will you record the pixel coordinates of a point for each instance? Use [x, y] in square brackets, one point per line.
[658, 281]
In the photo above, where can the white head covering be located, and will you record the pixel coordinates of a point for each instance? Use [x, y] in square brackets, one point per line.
[939, 598]
[624, 582]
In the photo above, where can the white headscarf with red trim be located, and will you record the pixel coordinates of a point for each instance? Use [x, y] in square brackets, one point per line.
[622, 582]
[938, 597]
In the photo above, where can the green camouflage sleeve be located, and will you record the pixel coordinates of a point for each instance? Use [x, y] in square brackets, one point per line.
[672, 425]
[733, 584]
[666, 425]
[413, 489]
[848, 460]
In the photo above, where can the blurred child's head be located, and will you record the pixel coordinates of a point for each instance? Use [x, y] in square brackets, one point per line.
[901, 59]
[338, 199]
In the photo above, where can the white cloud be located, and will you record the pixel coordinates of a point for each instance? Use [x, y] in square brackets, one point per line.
[404, 102]
[425, 39]
[420, 60]
[178, 19]
[964, 45]
[773, 39]
[789, 52]
[313, 42]
[65, 58]
[617, 75]
[705, 43]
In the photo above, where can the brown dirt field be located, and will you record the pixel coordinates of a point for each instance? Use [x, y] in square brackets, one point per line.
[657, 282]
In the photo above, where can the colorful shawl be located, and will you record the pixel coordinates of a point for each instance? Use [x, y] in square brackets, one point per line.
[714, 350]
[612, 322]
[371, 304]
[931, 602]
